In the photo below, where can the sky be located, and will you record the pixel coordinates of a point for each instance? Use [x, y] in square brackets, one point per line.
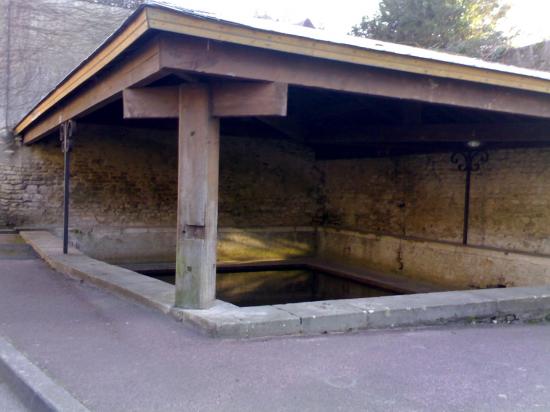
[529, 18]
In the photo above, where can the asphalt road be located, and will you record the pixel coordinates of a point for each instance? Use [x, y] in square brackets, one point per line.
[114, 355]
[8, 401]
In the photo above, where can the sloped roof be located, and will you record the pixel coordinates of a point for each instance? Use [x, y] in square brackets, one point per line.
[305, 32]
[305, 41]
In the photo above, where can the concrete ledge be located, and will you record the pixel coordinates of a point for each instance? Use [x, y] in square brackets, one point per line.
[530, 304]
[229, 321]
[145, 290]
[453, 266]
[35, 389]
[348, 315]
[327, 316]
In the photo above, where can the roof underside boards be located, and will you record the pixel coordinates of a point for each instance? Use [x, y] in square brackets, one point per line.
[297, 42]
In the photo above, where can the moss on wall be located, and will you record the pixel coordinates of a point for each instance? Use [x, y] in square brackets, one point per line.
[423, 196]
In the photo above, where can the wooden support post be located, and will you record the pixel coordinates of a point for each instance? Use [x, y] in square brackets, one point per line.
[199, 107]
[198, 166]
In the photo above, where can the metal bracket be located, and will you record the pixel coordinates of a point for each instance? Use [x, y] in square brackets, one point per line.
[468, 161]
[66, 132]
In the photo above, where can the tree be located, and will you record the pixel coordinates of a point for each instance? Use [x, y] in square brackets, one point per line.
[457, 26]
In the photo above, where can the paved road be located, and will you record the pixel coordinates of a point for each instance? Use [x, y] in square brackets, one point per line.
[8, 401]
[114, 355]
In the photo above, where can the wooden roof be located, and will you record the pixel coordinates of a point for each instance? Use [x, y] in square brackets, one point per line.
[151, 19]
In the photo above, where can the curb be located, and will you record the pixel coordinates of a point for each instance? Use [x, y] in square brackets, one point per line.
[32, 386]
[223, 320]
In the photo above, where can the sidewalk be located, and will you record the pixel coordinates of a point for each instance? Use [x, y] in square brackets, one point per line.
[113, 355]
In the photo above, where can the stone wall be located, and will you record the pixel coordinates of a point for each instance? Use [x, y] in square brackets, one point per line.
[267, 182]
[40, 42]
[121, 245]
[4, 44]
[451, 266]
[273, 196]
[123, 177]
[119, 177]
[423, 196]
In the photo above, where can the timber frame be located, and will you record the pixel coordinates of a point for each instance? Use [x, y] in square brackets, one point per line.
[439, 77]
[227, 70]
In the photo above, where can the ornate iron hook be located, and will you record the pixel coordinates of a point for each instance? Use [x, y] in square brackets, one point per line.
[470, 160]
[66, 132]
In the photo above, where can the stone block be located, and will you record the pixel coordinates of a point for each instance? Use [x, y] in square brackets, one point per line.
[248, 322]
[327, 316]
[424, 309]
[519, 303]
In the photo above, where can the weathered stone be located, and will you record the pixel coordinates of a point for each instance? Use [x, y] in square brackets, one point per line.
[327, 316]
[248, 322]
[422, 196]
[226, 320]
[425, 309]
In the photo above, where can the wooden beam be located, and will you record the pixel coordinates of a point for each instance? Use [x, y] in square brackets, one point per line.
[198, 169]
[236, 99]
[155, 19]
[229, 99]
[287, 126]
[151, 103]
[434, 65]
[233, 61]
[140, 68]
[135, 27]
[449, 132]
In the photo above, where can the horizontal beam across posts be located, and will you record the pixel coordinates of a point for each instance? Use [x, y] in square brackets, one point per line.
[201, 56]
[229, 99]
[448, 132]
[151, 103]
[236, 99]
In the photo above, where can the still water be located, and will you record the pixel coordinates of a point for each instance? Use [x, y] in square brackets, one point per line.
[271, 287]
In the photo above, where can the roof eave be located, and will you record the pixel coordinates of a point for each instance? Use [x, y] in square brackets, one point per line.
[131, 30]
[149, 17]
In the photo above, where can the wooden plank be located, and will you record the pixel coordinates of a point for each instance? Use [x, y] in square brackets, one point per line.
[198, 169]
[229, 99]
[233, 99]
[222, 59]
[143, 66]
[288, 126]
[151, 102]
[132, 32]
[447, 132]
[171, 21]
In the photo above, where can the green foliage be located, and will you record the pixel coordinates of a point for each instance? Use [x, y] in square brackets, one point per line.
[457, 26]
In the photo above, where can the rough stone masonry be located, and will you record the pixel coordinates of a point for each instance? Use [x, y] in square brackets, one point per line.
[392, 213]
[276, 199]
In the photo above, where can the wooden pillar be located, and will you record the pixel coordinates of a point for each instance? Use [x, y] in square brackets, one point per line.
[199, 107]
[198, 167]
